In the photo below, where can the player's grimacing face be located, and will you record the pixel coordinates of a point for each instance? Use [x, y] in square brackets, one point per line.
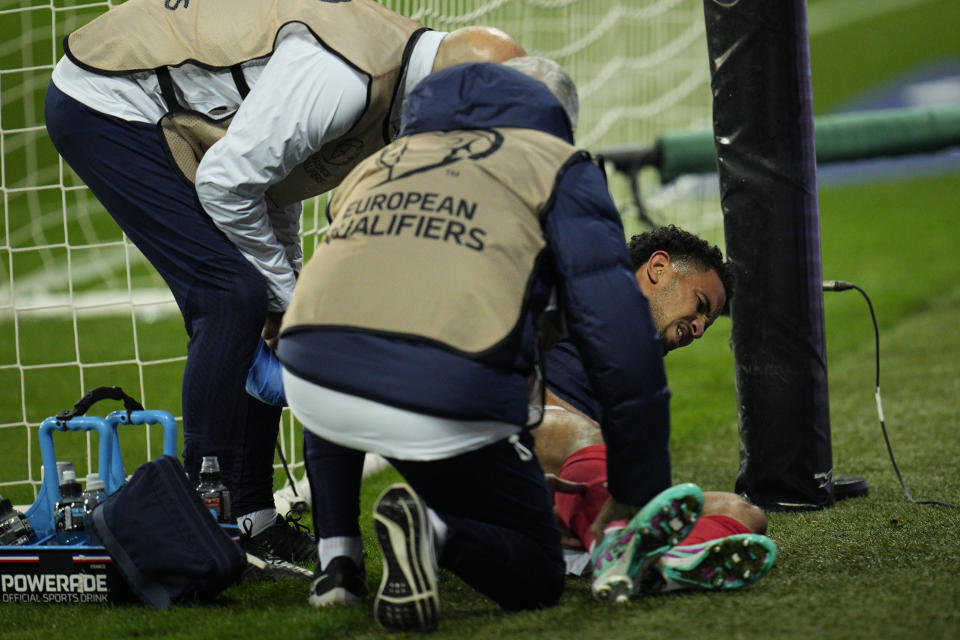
[685, 305]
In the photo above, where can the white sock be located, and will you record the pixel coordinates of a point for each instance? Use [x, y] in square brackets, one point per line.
[330, 548]
[256, 521]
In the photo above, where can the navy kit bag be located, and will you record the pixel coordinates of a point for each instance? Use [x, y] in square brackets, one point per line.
[163, 539]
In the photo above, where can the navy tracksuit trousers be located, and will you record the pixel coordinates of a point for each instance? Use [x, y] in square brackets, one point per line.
[222, 297]
[503, 536]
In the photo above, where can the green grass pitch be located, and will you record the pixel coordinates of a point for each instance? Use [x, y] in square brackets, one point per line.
[873, 567]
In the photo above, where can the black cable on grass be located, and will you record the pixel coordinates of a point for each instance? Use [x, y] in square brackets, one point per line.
[840, 285]
[293, 483]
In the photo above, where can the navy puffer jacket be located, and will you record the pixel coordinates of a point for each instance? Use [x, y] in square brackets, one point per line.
[586, 260]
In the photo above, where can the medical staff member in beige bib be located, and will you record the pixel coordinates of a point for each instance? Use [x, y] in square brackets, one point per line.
[200, 126]
[417, 329]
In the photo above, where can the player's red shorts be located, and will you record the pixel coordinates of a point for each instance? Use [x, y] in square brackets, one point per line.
[578, 511]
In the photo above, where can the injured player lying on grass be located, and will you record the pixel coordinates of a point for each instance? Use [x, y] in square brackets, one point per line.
[725, 549]
[687, 285]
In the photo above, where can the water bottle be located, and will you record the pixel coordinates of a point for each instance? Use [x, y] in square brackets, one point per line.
[69, 517]
[93, 496]
[15, 529]
[213, 492]
[63, 465]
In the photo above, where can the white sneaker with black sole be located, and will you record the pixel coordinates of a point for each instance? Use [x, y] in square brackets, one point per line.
[407, 598]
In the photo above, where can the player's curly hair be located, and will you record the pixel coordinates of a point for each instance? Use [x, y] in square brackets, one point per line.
[683, 246]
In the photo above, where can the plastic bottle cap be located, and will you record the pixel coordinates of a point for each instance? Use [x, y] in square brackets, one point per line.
[94, 482]
[62, 465]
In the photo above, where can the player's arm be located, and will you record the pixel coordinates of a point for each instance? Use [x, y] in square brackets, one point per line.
[305, 96]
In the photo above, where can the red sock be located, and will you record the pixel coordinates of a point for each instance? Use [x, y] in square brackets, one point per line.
[713, 527]
[578, 511]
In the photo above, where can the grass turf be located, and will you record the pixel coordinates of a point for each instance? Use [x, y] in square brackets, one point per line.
[869, 567]
[868, 52]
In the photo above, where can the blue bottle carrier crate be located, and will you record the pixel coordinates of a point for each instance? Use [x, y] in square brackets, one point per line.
[47, 572]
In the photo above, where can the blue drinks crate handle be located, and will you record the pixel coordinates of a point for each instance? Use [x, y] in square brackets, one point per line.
[41, 512]
[163, 418]
[110, 460]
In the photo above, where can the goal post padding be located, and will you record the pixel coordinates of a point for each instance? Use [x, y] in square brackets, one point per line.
[764, 139]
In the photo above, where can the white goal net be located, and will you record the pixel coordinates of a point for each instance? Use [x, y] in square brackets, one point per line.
[81, 308]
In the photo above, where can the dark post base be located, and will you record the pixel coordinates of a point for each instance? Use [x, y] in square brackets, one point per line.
[849, 487]
[843, 487]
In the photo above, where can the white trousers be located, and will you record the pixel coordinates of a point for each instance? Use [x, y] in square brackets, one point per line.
[366, 425]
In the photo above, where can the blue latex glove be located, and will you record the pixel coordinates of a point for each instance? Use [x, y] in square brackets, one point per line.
[264, 380]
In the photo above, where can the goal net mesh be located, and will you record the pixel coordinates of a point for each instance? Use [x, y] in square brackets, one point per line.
[80, 307]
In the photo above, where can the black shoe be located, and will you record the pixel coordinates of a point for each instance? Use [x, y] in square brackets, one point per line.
[264, 566]
[407, 598]
[286, 539]
[342, 582]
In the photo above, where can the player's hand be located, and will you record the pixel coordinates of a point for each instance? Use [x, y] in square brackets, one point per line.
[556, 484]
[568, 539]
[612, 511]
[271, 329]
